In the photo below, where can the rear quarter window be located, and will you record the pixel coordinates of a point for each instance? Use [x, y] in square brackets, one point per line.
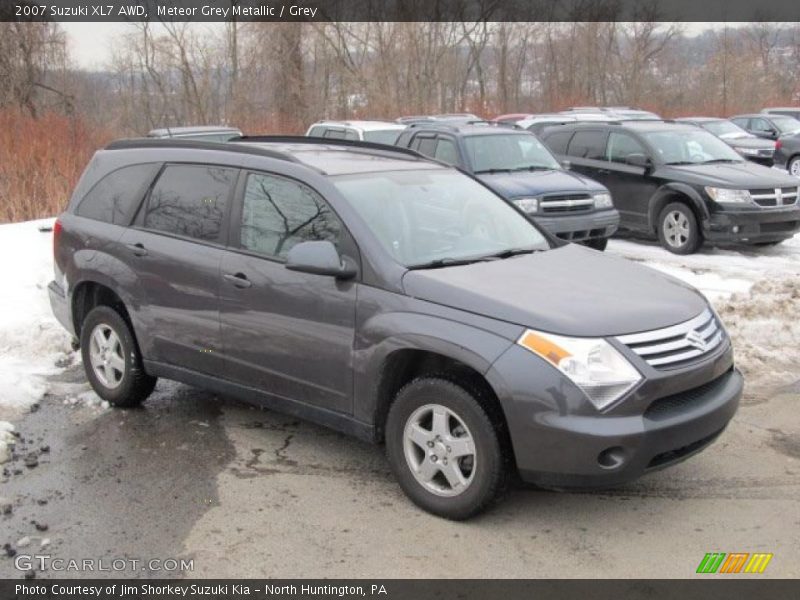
[115, 198]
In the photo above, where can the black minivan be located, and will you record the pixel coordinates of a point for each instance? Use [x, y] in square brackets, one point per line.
[680, 183]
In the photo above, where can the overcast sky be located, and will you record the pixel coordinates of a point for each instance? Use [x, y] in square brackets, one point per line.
[91, 43]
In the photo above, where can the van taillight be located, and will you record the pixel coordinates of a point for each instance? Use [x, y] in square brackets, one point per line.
[56, 235]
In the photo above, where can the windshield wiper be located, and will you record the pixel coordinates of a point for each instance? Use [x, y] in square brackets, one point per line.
[492, 171]
[720, 160]
[533, 168]
[512, 252]
[682, 162]
[446, 262]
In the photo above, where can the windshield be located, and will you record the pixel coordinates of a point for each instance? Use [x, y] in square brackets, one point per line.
[786, 124]
[382, 136]
[725, 129]
[508, 152]
[690, 147]
[422, 216]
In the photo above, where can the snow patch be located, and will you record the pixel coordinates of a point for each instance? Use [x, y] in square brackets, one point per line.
[31, 340]
[7, 441]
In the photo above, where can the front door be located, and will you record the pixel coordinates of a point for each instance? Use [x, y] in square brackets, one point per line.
[286, 333]
[631, 187]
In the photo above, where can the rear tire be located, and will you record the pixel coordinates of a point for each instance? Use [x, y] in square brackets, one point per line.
[111, 359]
[597, 243]
[444, 449]
[678, 230]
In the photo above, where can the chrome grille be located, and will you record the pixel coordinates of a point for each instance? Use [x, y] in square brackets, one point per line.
[679, 344]
[775, 197]
[557, 203]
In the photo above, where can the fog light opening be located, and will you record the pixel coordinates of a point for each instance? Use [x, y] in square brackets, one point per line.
[611, 458]
[735, 229]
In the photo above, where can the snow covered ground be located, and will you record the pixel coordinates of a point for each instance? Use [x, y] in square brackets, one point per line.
[756, 291]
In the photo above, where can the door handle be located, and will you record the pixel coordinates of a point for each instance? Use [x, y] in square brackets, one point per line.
[240, 280]
[138, 249]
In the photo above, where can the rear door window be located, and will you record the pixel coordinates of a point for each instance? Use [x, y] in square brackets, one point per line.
[622, 145]
[557, 141]
[190, 201]
[116, 196]
[424, 145]
[588, 144]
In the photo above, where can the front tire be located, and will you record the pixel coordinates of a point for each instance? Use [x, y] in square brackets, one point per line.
[444, 448]
[678, 230]
[111, 359]
[794, 166]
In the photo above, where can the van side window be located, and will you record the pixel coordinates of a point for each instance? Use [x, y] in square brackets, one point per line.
[279, 213]
[621, 145]
[588, 144]
[116, 196]
[424, 145]
[191, 201]
[557, 141]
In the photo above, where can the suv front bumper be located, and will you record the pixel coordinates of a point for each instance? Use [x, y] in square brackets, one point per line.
[577, 228]
[558, 443]
[753, 226]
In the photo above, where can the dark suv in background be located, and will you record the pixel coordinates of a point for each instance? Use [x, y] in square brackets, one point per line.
[518, 167]
[785, 130]
[681, 184]
[343, 283]
[751, 147]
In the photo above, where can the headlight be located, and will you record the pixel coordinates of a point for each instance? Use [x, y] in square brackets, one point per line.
[727, 196]
[592, 364]
[747, 151]
[602, 200]
[527, 205]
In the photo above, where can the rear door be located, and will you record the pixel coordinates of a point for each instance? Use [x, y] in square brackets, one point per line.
[287, 333]
[586, 151]
[175, 247]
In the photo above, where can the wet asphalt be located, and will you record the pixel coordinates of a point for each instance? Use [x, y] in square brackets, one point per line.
[245, 492]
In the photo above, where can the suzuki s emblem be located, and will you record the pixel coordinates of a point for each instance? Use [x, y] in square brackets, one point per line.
[693, 338]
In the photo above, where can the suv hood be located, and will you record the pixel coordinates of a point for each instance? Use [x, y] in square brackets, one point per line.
[569, 290]
[741, 175]
[534, 183]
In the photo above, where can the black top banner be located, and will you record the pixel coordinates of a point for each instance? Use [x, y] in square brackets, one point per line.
[402, 10]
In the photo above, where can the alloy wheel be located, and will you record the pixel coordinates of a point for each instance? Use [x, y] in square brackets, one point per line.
[676, 229]
[440, 450]
[105, 354]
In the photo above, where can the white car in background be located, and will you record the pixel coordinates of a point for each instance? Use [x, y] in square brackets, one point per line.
[379, 132]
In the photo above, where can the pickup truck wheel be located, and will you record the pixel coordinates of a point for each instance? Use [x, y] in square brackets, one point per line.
[597, 243]
[444, 449]
[111, 359]
[677, 229]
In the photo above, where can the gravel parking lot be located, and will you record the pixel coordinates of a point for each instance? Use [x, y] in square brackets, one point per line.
[250, 493]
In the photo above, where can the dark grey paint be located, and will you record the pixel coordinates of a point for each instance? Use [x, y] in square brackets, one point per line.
[317, 346]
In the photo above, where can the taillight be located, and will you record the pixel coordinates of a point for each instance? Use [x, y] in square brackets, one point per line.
[56, 235]
[778, 145]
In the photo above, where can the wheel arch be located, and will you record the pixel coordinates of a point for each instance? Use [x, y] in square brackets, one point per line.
[676, 192]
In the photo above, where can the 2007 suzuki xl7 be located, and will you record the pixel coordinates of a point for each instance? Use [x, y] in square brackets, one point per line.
[390, 297]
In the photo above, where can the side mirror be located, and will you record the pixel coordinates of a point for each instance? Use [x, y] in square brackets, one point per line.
[567, 164]
[637, 159]
[319, 258]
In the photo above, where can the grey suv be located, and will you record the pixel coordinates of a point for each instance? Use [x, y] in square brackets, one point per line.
[342, 283]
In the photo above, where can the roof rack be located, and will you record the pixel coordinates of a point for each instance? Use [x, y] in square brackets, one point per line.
[132, 143]
[301, 139]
